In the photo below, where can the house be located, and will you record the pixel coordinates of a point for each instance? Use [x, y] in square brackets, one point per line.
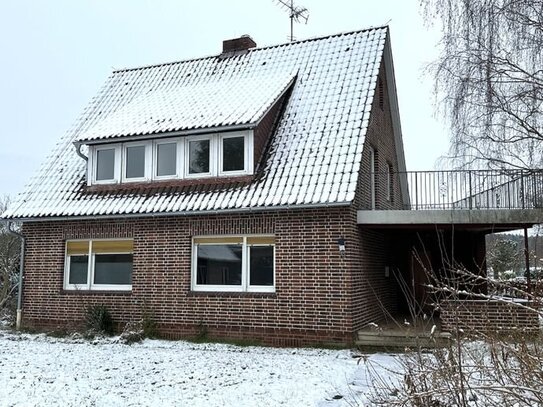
[259, 193]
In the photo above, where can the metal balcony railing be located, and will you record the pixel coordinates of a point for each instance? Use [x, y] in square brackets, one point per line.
[469, 189]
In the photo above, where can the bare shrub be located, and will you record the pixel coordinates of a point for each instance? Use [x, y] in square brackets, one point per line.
[479, 367]
[10, 247]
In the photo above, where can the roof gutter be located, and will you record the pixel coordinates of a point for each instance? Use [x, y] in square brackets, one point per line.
[21, 273]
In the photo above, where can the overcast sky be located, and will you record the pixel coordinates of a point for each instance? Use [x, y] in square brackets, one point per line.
[56, 54]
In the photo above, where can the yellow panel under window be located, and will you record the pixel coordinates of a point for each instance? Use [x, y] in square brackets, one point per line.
[112, 246]
[261, 240]
[77, 247]
[218, 240]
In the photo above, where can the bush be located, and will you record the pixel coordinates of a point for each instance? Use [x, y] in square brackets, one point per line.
[98, 319]
[149, 326]
[476, 368]
[132, 333]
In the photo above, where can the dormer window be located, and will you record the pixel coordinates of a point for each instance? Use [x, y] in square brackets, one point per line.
[233, 154]
[105, 169]
[198, 156]
[211, 155]
[135, 162]
[166, 160]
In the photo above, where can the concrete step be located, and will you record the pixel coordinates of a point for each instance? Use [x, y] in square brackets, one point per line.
[402, 339]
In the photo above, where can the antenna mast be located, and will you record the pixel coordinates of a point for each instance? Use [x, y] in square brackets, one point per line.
[296, 14]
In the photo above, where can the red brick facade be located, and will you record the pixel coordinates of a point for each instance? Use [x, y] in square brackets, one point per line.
[313, 300]
[375, 247]
[488, 317]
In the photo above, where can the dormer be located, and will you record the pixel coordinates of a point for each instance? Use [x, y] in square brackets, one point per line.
[198, 128]
[166, 157]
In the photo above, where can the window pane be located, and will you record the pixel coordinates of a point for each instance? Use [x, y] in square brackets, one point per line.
[135, 162]
[113, 269]
[166, 159]
[198, 156]
[219, 264]
[261, 267]
[79, 266]
[233, 154]
[105, 164]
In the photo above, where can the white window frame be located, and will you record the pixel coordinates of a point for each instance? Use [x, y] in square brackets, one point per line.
[90, 286]
[212, 155]
[179, 159]
[147, 145]
[182, 170]
[245, 264]
[93, 162]
[248, 153]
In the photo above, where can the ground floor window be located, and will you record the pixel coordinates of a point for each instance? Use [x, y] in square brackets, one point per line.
[233, 263]
[98, 265]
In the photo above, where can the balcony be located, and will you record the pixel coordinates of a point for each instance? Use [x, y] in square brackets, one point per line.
[505, 199]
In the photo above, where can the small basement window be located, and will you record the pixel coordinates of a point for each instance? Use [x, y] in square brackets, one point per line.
[238, 263]
[98, 265]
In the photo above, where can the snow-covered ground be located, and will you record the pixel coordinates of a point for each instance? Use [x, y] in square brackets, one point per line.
[36, 370]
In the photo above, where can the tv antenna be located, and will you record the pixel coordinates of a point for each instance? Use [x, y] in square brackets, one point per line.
[297, 14]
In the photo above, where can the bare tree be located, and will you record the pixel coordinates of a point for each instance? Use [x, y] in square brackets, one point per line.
[489, 79]
[9, 261]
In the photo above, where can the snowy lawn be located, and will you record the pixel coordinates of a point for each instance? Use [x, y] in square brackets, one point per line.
[36, 370]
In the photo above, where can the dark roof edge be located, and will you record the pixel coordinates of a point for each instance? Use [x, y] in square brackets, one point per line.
[395, 116]
[178, 213]
[311, 39]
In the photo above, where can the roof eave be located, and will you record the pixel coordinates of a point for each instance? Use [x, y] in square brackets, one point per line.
[189, 132]
[180, 213]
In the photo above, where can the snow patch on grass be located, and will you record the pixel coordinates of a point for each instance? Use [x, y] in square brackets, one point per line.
[72, 371]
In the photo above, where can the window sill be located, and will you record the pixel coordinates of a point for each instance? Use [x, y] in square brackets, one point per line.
[95, 292]
[241, 294]
[167, 183]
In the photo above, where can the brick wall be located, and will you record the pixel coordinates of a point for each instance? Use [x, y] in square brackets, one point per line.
[475, 317]
[380, 137]
[313, 298]
[375, 295]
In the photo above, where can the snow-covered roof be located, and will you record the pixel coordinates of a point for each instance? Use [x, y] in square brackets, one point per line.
[314, 154]
[186, 104]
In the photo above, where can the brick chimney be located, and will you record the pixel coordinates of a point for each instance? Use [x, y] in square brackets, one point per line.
[242, 43]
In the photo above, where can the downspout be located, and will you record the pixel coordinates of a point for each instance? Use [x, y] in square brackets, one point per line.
[79, 153]
[21, 273]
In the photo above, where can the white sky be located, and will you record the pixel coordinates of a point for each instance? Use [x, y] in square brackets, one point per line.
[56, 54]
